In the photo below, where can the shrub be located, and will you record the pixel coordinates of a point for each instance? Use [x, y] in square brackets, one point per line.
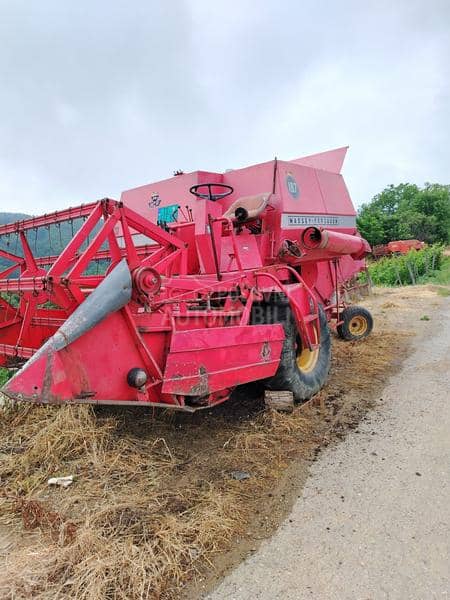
[414, 267]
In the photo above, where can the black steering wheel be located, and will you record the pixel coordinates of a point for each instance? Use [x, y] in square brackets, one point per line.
[210, 196]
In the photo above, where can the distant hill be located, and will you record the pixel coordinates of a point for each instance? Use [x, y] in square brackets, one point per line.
[7, 217]
[45, 241]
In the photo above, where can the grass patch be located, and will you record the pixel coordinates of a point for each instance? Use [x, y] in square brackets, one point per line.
[441, 291]
[442, 275]
[4, 376]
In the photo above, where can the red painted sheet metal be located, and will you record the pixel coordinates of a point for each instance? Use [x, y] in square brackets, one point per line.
[331, 160]
[202, 361]
[404, 246]
[95, 365]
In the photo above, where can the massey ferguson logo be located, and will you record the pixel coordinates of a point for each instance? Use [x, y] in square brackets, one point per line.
[292, 186]
[294, 221]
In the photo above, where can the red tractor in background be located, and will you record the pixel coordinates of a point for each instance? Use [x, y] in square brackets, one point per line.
[208, 281]
[397, 247]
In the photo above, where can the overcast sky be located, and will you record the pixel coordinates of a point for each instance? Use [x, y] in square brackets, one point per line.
[100, 96]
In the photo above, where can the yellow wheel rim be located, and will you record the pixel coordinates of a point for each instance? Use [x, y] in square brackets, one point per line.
[307, 359]
[358, 325]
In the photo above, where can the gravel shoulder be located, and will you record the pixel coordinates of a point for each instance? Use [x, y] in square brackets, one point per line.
[373, 521]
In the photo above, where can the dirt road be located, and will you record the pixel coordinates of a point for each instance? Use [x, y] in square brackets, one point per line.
[373, 521]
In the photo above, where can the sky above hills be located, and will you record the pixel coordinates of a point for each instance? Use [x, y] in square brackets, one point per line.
[98, 97]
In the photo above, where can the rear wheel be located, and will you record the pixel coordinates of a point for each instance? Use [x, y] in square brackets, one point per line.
[301, 371]
[357, 323]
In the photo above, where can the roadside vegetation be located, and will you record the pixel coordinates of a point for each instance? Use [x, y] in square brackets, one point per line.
[442, 276]
[429, 265]
[403, 212]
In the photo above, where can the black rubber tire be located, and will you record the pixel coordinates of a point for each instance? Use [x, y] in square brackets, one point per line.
[288, 376]
[345, 329]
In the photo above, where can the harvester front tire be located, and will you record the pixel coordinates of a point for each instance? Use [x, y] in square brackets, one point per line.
[357, 323]
[290, 376]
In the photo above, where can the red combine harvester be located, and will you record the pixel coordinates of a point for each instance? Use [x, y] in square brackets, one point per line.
[206, 281]
[397, 247]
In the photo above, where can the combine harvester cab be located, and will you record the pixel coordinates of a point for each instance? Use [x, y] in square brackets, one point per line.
[185, 289]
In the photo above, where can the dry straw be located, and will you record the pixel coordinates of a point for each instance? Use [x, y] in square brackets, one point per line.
[153, 500]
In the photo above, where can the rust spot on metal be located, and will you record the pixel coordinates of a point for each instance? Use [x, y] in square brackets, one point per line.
[47, 380]
[266, 351]
[202, 387]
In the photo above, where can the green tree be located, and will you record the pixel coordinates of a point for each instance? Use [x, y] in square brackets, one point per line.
[406, 211]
